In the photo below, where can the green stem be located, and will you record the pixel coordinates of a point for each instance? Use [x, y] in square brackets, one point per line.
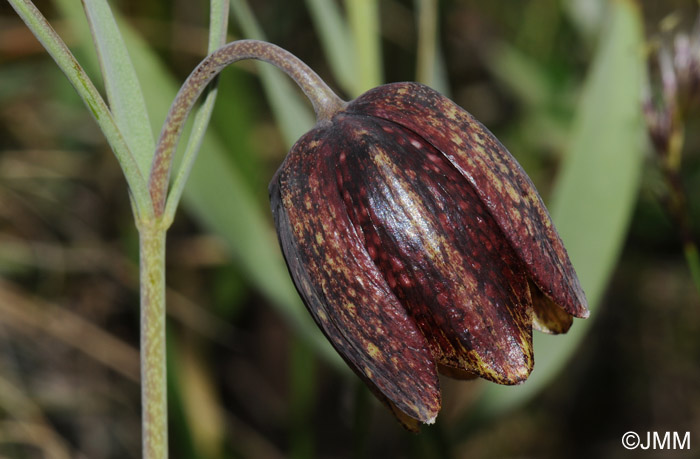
[153, 376]
[152, 251]
[323, 99]
[58, 50]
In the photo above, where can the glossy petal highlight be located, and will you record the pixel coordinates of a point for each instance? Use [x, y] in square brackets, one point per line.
[420, 245]
[442, 254]
[341, 286]
[495, 175]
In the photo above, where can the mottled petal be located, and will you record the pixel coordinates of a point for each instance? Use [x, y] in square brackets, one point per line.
[500, 182]
[440, 251]
[343, 289]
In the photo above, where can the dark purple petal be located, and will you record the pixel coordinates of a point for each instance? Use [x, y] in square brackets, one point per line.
[495, 175]
[341, 286]
[439, 249]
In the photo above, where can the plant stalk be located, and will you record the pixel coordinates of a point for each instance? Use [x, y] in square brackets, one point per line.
[154, 406]
[324, 100]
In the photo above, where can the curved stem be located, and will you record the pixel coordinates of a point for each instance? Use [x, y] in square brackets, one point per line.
[217, 37]
[324, 100]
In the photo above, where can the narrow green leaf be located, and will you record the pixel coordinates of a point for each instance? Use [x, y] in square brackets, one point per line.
[292, 112]
[337, 43]
[58, 50]
[597, 187]
[596, 190]
[363, 16]
[124, 94]
[217, 196]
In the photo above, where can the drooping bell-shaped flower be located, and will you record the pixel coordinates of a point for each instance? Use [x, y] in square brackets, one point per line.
[420, 246]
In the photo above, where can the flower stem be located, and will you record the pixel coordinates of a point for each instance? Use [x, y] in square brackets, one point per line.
[153, 376]
[152, 234]
[324, 100]
[217, 37]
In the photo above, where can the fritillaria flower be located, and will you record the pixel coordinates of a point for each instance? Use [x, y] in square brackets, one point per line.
[420, 246]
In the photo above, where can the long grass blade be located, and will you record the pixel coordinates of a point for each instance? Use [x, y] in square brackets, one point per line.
[595, 192]
[363, 16]
[216, 194]
[58, 50]
[124, 94]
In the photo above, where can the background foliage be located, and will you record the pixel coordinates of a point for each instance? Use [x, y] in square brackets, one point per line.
[249, 375]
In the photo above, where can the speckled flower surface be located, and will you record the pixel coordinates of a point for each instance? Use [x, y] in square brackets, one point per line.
[420, 246]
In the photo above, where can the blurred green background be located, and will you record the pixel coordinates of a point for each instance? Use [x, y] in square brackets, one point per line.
[558, 81]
